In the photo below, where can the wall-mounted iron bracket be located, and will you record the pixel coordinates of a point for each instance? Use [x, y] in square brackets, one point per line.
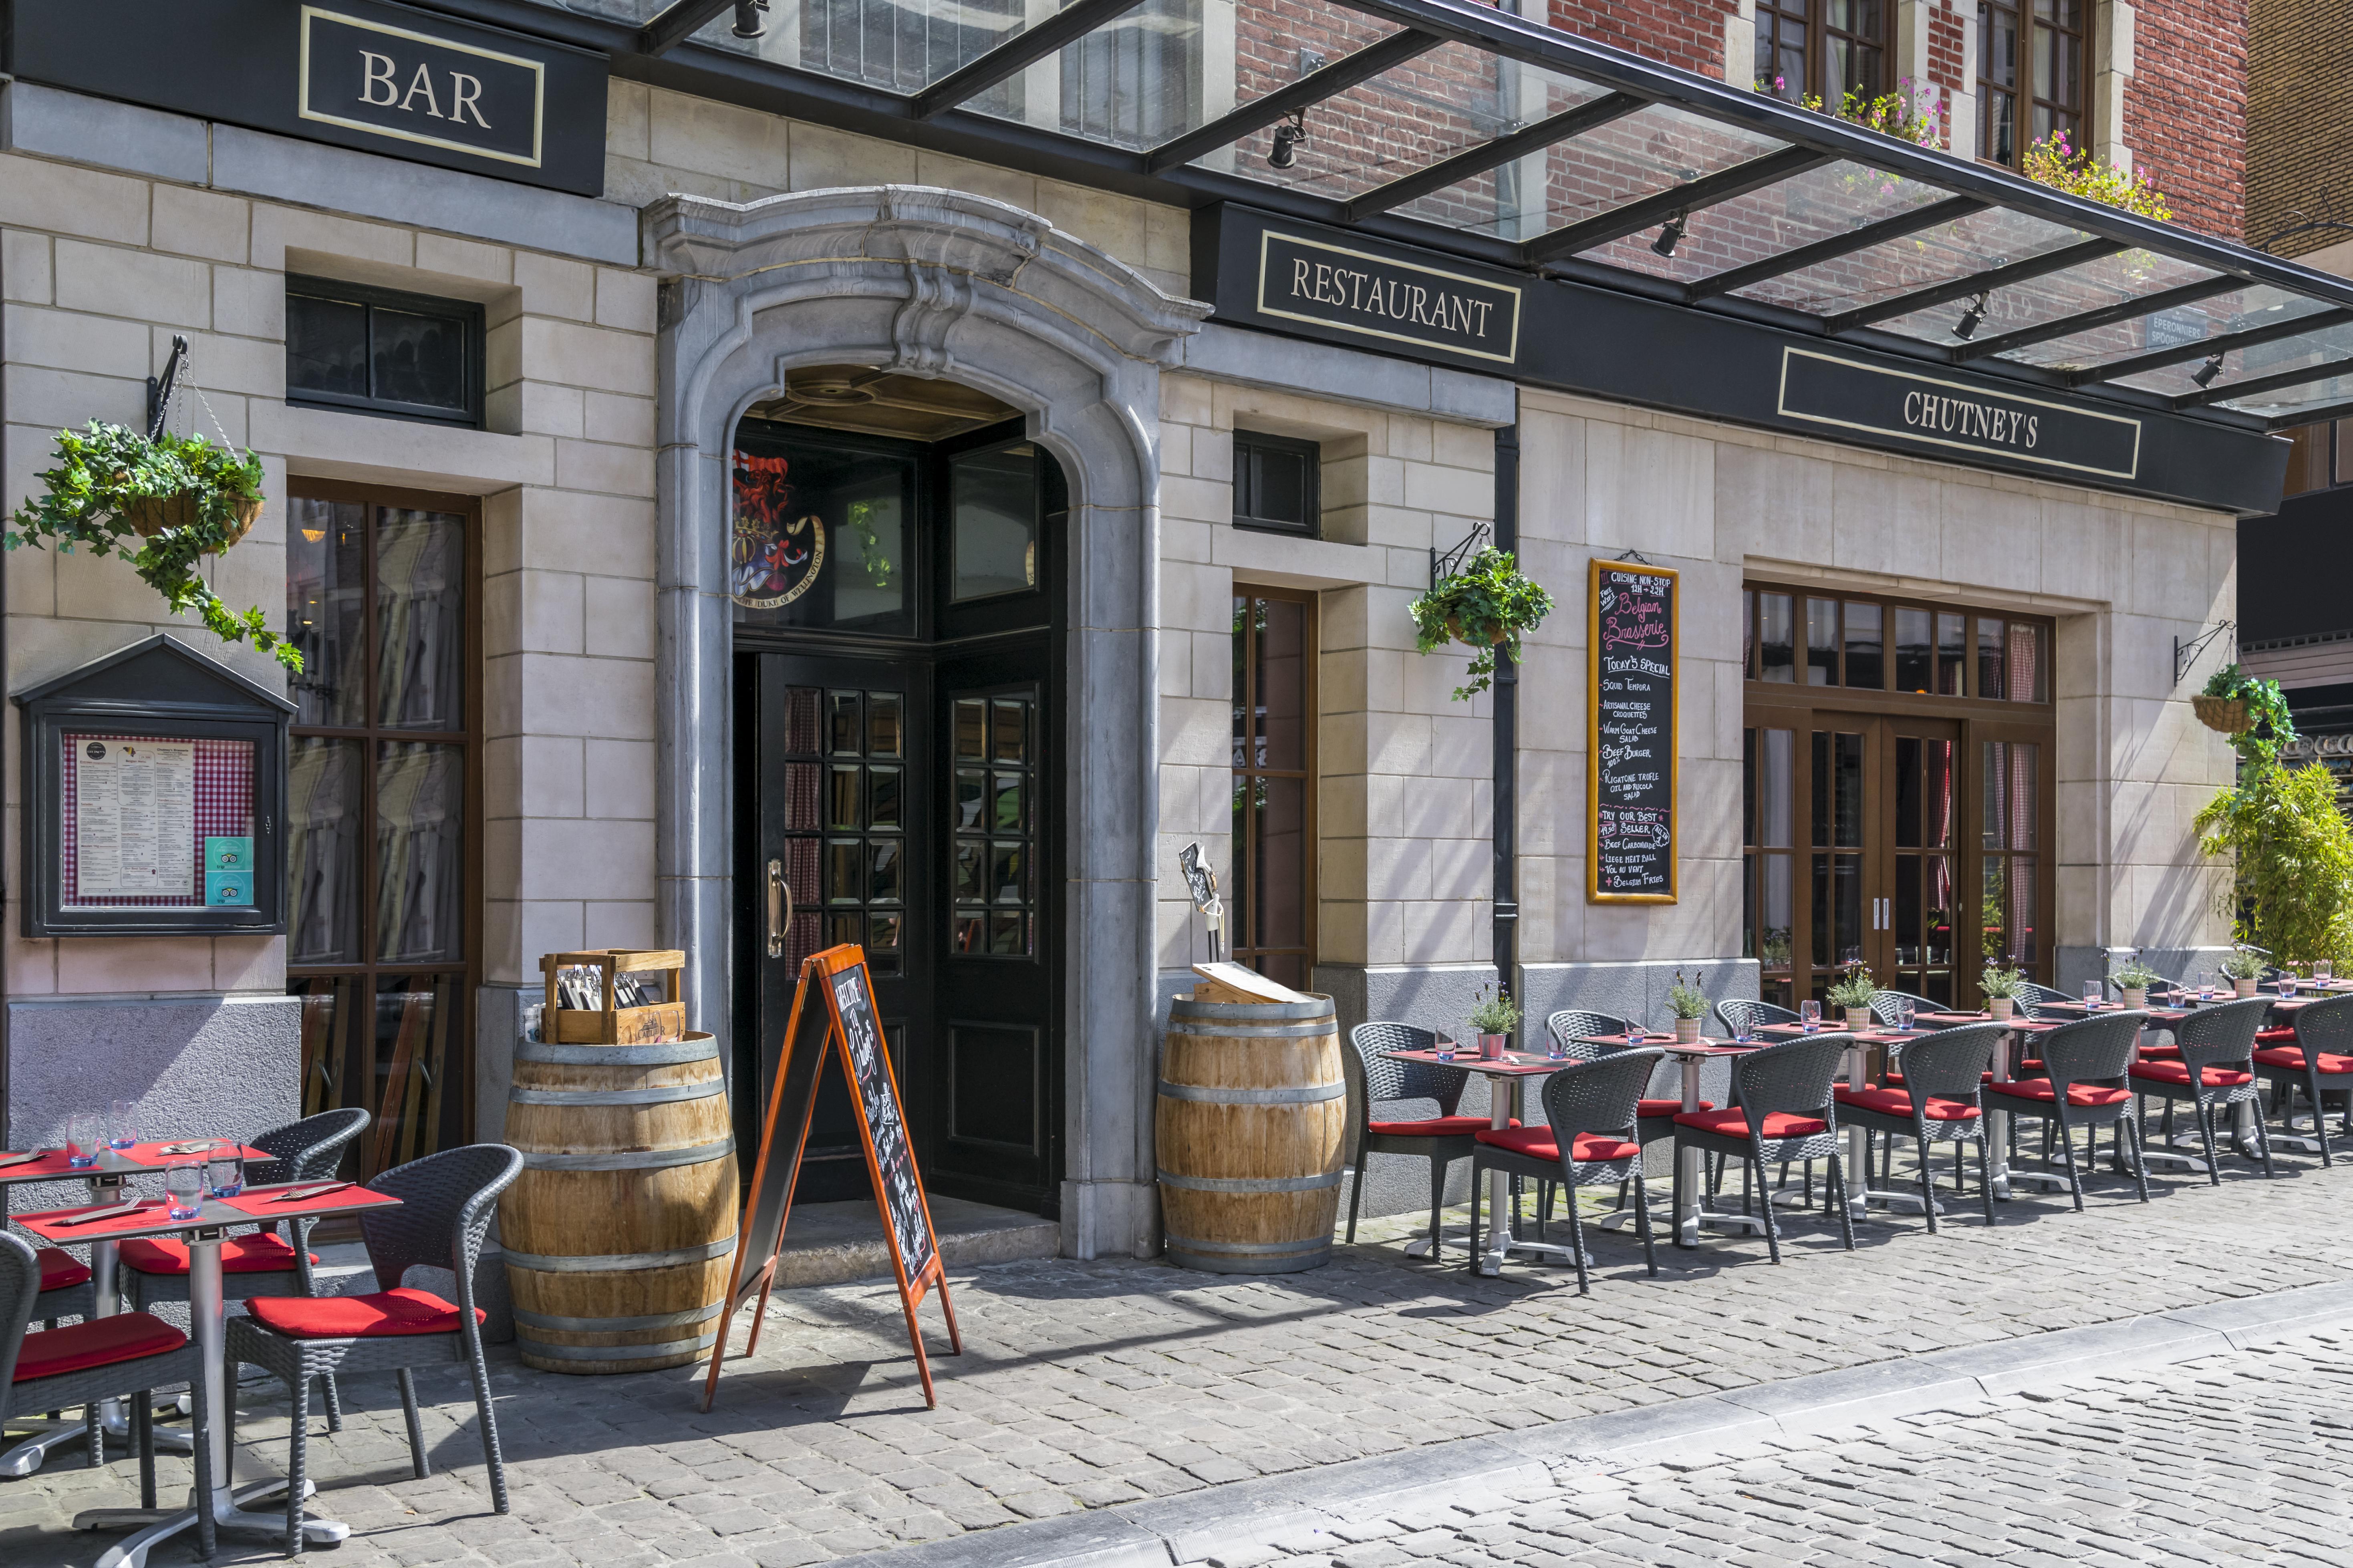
[159, 391]
[2186, 654]
[1444, 566]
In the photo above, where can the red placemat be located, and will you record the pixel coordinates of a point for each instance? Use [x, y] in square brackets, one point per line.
[263, 1203]
[152, 1155]
[50, 1165]
[144, 1220]
[1953, 1017]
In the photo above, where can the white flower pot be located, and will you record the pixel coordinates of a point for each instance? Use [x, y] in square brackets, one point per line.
[1858, 1018]
[2135, 995]
[1492, 1046]
[2243, 987]
[1999, 1006]
[1686, 1031]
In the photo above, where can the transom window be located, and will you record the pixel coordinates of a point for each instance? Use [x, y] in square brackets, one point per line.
[1850, 640]
[1830, 47]
[377, 351]
[1276, 483]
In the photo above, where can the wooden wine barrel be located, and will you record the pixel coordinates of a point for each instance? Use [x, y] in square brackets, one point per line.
[1251, 1127]
[620, 1231]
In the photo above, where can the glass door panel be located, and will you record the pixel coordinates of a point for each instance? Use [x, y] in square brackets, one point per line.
[1917, 945]
[1841, 801]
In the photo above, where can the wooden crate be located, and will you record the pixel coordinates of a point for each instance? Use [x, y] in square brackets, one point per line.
[666, 1020]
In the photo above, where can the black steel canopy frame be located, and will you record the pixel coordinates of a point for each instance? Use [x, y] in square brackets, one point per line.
[655, 53]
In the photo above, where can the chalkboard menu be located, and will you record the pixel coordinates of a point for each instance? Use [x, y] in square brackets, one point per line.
[1631, 771]
[833, 1017]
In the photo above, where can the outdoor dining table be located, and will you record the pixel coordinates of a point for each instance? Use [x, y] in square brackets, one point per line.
[208, 1319]
[1694, 1211]
[1893, 1041]
[106, 1179]
[1504, 1074]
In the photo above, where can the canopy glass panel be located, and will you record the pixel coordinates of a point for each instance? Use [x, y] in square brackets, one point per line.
[1814, 206]
[2088, 287]
[1962, 249]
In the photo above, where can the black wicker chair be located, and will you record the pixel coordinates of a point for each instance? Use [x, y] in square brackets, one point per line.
[128, 1355]
[1378, 1079]
[2085, 1064]
[2031, 997]
[1784, 1111]
[1883, 1005]
[2317, 1057]
[67, 1291]
[2212, 1065]
[1588, 1137]
[1734, 1010]
[447, 1202]
[1941, 1102]
[1654, 1119]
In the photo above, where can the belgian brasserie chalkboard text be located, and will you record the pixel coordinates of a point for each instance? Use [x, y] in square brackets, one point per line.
[1630, 769]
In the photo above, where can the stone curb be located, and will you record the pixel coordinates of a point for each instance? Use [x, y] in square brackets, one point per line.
[1463, 1471]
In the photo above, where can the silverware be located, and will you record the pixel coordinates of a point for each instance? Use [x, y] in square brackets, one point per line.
[116, 1212]
[306, 1193]
[8, 1160]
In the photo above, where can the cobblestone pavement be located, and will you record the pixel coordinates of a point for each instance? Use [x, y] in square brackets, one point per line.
[2234, 1459]
[1090, 1384]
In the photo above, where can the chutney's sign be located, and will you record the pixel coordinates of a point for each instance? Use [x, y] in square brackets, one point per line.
[1823, 389]
[1334, 286]
[358, 73]
[417, 86]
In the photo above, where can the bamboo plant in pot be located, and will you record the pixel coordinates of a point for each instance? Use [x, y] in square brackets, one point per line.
[1487, 603]
[163, 501]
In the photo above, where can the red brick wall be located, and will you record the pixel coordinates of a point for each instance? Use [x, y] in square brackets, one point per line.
[2185, 111]
[1685, 34]
[2299, 122]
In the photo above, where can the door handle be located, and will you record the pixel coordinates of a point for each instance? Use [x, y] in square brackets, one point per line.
[780, 908]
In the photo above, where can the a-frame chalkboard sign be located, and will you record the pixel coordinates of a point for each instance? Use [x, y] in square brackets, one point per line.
[833, 1016]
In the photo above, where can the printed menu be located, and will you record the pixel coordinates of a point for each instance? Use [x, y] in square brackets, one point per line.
[135, 818]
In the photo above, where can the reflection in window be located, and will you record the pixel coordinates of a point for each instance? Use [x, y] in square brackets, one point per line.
[820, 535]
[1821, 642]
[1776, 641]
[1865, 654]
[993, 499]
[1134, 82]
[420, 565]
[326, 610]
[1271, 884]
[993, 884]
[420, 820]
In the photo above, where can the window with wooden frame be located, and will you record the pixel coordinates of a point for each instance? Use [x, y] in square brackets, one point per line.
[2035, 75]
[384, 809]
[1270, 892]
[1897, 784]
[1830, 47]
[1278, 484]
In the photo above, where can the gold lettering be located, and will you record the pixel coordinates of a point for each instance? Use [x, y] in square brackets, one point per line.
[463, 99]
[2034, 426]
[422, 82]
[1299, 280]
[374, 69]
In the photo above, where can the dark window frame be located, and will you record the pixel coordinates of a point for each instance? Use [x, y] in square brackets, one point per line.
[2334, 458]
[1812, 19]
[1243, 882]
[1246, 485]
[1753, 647]
[2029, 24]
[467, 313]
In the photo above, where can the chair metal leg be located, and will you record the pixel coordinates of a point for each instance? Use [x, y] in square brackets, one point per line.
[334, 1401]
[96, 1435]
[143, 1437]
[1985, 1173]
[1772, 1231]
[1576, 1242]
[1437, 1168]
[415, 1427]
[207, 1534]
[1472, 1261]
[1642, 1223]
[2263, 1142]
[491, 1455]
[1927, 1185]
[2319, 1116]
[2129, 1127]
[2067, 1142]
[2206, 1136]
[1845, 1213]
[1356, 1196]
[298, 1457]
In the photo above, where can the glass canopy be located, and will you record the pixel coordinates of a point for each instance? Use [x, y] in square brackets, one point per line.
[1452, 124]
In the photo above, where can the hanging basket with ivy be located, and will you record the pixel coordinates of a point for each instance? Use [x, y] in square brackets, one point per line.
[1485, 606]
[2235, 702]
[163, 501]
[2231, 715]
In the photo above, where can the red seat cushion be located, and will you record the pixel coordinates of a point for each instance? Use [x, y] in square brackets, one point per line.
[1733, 1123]
[61, 1270]
[1435, 1127]
[2292, 1057]
[1538, 1143]
[102, 1342]
[1668, 1107]
[1894, 1102]
[260, 1254]
[2179, 1072]
[2280, 1035]
[386, 1313]
[2079, 1094]
[2160, 1053]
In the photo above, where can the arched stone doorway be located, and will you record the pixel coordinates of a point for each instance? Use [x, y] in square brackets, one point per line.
[938, 283]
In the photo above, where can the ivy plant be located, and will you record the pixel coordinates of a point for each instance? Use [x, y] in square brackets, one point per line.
[1487, 603]
[2273, 726]
[109, 481]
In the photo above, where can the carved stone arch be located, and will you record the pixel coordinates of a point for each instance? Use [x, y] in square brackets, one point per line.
[937, 283]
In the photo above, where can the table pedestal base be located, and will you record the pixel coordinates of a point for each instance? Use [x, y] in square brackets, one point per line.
[1491, 1260]
[25, 1456]
[1420, 1246]
[232, 1512]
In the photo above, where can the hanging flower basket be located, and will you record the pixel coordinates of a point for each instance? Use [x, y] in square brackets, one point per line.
[151, 515]
[1490, 595]
[2228, 714]
[1454, 629]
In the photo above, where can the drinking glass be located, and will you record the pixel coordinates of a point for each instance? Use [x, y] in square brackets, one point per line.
[183, 1189]
[1445, 1048]
[225, 1168]
[2090, 994]
[1743, 1027]
[2322, 971]
[1810, 1015]
[1904, 1015]
[1553, 1047]
[85, 1134]
[122, 1124]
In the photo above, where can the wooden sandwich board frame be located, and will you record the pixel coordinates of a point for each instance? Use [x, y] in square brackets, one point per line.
[841, 1026]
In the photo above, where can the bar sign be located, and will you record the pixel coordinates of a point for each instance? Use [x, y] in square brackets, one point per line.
[410, 86]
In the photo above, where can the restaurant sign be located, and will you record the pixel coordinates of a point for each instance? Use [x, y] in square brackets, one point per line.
[1823, 389]
[358, 73]
[1313, 280]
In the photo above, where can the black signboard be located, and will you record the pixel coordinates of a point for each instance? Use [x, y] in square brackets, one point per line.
[1630, 752]
[833, 1018]
[1840, 393]
[1336, 285]
[357, 73]
[1352, 290]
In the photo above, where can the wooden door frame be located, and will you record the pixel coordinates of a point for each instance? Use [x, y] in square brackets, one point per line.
[1311, 699]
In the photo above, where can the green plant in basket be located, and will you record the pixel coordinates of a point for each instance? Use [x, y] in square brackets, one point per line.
[1487, 604]
[164, 503]
[1494, 1015]
[1853, 988]
[1686, 1000]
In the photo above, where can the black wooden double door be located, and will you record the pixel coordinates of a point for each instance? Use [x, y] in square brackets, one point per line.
[901, 804]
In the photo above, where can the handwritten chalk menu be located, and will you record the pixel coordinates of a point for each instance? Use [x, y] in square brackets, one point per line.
[135, 817]
[1631, 772]
[833, 1017]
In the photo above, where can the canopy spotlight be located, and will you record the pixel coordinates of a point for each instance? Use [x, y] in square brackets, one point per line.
[1966, 326]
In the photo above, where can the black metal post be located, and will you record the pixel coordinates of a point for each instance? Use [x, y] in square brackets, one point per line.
[1507, 693]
